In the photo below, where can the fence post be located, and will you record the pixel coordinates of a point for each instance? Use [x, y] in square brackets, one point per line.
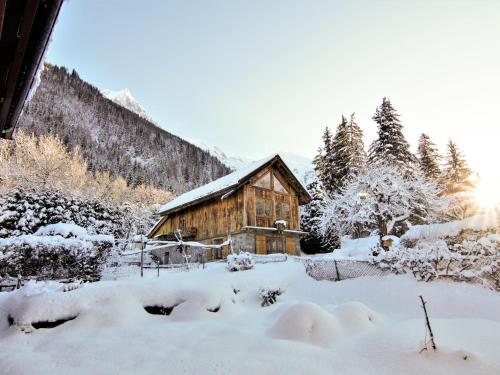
[19, 281]
[336, 269]
[142, 259]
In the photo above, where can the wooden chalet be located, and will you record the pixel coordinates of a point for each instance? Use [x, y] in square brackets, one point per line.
[257, 205]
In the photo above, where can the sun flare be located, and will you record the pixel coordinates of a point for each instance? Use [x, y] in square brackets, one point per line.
[487, 193]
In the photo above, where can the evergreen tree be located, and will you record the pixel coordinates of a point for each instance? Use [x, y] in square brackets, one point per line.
[348, 154]
[338, 164]
[310, 219]
[327, 177]
[456, 171]
[391, 146]
[428, 157]
[319, 163]
[356, 147]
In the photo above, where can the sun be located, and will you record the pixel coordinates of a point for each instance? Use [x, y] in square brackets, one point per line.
[487, 193]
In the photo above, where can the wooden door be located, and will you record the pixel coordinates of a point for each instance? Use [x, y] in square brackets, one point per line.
[260, 244]
[291, 246]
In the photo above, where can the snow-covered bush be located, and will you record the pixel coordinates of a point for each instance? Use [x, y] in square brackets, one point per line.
[240, 262]
[472, 256]
[269, 296]
[23, 212]
[62, 229]
[74, 254]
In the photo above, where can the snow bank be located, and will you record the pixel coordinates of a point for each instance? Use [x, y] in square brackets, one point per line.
[347, 327]
[453, 228]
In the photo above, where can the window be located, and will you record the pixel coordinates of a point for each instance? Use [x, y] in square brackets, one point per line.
[282, 207]
[264, 207]
[264, 181]
[283, 210]
[278, 187]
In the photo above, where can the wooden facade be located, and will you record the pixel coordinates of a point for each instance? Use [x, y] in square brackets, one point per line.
[248, 211]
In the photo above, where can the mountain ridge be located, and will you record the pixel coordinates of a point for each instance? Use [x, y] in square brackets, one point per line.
[113, 138]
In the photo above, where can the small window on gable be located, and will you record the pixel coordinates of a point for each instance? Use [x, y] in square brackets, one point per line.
[264, 181]
[278, 187]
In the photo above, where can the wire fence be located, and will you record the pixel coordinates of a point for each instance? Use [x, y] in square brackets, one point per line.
[336, 270]
[317, 268]
[327, 269]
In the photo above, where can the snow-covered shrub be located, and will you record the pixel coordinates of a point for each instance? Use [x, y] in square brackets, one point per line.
[55, 257]
[269, 296]
[62, 229]
[240, 262]
[472, 256]
[23, 212]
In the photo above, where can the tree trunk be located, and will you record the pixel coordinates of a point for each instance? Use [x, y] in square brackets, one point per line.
[382, 230]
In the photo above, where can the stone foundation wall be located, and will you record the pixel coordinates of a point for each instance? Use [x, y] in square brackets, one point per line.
[244, 242]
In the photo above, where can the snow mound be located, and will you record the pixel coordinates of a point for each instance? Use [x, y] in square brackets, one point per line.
[41, 301]
[357, 317]
[62, 229]
[307, 322]
[310, 323]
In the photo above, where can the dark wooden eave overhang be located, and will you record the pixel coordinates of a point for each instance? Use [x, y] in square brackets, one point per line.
[25, 28]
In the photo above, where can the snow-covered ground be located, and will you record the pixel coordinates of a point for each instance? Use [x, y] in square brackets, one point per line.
[371, 325]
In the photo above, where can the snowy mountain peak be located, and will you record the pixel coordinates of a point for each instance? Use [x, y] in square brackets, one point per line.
[126, 99]
[300, 165]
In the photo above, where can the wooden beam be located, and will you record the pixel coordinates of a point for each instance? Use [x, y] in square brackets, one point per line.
[3, 4]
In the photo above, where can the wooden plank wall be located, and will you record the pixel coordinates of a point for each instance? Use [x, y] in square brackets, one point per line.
[213, 218]
[252, 192]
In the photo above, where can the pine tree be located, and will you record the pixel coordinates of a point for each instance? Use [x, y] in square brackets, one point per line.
[326, 177]
[348, 154]
[456, 170]
[391, 146]
[310, 219]
[356, 146]
[319, 163]
[428, 157]
[339, 161]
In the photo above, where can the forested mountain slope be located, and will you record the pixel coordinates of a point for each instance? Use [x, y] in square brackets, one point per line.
[114, 139]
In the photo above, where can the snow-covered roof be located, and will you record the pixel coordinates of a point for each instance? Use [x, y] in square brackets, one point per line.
[222, 185]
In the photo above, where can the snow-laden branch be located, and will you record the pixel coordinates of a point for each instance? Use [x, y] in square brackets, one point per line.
[381, 197]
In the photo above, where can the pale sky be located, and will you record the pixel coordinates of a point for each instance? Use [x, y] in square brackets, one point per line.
[255, 77]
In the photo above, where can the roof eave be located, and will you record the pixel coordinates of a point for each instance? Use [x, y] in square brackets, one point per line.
[27, 27]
